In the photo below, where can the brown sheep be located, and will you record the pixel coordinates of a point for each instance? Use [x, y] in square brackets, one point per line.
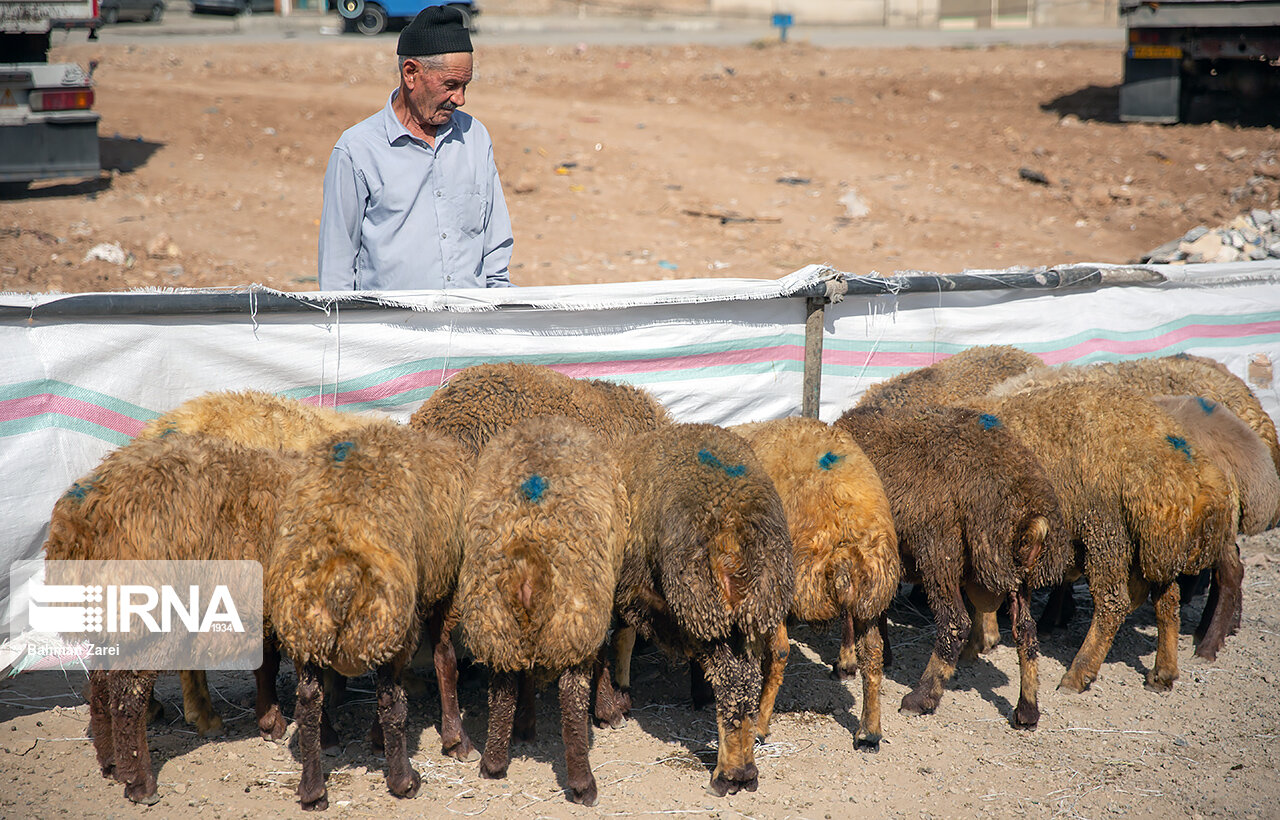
[178, 497]
[482, 400]
[974, 513]
[253, 418]
[969, 373]
[845, 548]
[369, 545]
[546, 521]
[1140, 501]
[1243, 457]
[708, 572]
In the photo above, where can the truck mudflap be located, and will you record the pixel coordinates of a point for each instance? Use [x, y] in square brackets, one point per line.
[1152, 89]
[63, 147]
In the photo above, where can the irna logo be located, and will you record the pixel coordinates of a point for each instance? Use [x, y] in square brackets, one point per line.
[130, 607]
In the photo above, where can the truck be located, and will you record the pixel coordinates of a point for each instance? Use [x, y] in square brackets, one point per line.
[1178, 49]
[372, 17]
[48, 127]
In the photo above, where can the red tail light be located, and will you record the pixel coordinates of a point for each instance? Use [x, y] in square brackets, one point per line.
[70, 99]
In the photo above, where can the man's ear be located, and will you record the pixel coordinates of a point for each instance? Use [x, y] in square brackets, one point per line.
[410, 72]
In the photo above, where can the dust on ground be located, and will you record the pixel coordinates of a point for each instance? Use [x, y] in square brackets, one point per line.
[645, 163]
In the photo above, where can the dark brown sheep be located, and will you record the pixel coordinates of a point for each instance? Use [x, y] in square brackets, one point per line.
[1140, 502]
[974, 513]
[482, 400]
[1244, 459]
[179, 497]
[708, 571]
[969, 373]
[546, 521]
[845, 549]
[369, 543]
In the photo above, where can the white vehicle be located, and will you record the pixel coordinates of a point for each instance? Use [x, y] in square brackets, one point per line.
[48, 127]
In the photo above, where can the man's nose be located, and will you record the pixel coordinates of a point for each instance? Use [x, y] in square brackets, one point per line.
[459, 97]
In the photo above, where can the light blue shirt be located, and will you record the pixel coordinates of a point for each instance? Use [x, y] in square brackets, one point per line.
[399, 214]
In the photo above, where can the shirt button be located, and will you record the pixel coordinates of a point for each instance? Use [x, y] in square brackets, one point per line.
[444, 236]
[439, 193]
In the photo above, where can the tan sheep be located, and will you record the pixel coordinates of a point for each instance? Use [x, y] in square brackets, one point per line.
[974, 513]
[845, 550]
[178, 497]
[546, 522]
[1140, 500]
[1244, 459]
[369, 545]
[708, 572]
[253, 418]
[482, 400]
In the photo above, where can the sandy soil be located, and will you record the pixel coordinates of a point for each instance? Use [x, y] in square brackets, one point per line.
[1207, 749]
[645, 163]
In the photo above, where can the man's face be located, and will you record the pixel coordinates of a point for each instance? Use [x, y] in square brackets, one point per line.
[433, 95]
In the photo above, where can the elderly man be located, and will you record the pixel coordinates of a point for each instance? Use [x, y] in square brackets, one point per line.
[411, 195]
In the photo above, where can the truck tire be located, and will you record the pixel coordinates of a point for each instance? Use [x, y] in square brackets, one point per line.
[157, 13]
[351, 9]
[373, 21]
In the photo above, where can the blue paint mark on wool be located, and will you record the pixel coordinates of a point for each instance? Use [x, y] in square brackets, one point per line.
[79, 490]
[342, 449]
[708, 458]
[988, 421]
[829, 460]
[1180, 444]
[1206, 405]
[533, 488]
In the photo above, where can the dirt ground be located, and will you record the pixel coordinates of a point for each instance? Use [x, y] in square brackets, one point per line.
[645, 163]
[1207, 749]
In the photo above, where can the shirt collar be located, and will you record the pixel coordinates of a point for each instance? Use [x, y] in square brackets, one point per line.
[396, 130]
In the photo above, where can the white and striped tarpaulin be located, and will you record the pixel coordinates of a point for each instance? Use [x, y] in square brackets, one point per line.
[82, 373]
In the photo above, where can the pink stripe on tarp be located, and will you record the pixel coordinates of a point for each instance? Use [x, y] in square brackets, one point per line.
[1157, 343]
[50, 404]
[698, 361]
[890, 358]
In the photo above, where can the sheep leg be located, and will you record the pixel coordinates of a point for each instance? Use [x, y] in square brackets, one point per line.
[393, 711]
[736, 682]
[1059, 609]
[271, 722]
[100, 722]
[130, 693]
[335, 692]
[608, 709]
[1026, 715]
[700, 689]
[526, 719]
[1111, 604]
[197, 706]
[886, 649]
[775, 664]
[1165, 672]
[624, 643]
[453, 737]
[984, 635]
[870, 654]
[1228, 578]
[502, 712]
[846, 665]
[575, 702]
[953, 622]
[308, 712]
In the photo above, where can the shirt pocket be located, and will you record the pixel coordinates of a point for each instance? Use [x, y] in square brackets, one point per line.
[467, 210]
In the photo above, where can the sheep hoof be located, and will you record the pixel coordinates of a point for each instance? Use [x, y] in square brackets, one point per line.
[462, 750]
[916, 706]
[140, 795]
[1206, 653]
[843, 674]
[1026, 716]
[319, 804]
[406, 788]
[492, 774]
[109, 771]
[1159, 682]
[271, 726]
[1071, 686]
[212, 728]
[155, 710]
[586, 796]
[721, 785]
[869, 744]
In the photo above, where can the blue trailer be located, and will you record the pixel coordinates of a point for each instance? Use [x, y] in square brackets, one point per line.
[374, 16]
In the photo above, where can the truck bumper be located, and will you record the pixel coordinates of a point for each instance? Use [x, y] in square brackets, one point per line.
[66, 147]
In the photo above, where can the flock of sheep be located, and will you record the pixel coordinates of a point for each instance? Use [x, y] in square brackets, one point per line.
[552, 520]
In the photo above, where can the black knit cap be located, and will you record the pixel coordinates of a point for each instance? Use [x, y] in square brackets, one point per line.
[436, 30]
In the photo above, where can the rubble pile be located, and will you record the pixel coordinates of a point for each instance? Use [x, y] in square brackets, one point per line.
[1251, 237]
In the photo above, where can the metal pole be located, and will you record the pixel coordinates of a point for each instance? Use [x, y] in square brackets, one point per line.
[812, 390]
